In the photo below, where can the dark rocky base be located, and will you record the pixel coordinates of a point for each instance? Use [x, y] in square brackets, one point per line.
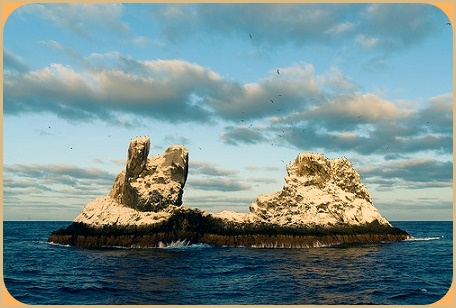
[194, 227]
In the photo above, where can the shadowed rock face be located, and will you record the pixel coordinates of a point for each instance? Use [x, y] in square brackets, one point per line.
[322, 203]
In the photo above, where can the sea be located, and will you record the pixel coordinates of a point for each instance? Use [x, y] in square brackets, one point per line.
[413, 272]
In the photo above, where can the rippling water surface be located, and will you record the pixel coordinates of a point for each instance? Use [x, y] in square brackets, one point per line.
[418, 271]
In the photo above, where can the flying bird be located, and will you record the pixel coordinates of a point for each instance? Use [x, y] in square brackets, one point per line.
[278, 72]
[272, 101]
[250, 35]
[448, 23]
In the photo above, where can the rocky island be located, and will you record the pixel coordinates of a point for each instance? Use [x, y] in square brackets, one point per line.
[322, 203]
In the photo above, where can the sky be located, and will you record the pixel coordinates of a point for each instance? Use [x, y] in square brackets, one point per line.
[245, 88]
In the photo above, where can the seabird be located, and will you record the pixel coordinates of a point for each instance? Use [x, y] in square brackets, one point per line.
[250, 35]
[278, 72]
[272, 101]
[448, 23]
[359, 116]
[200, 148]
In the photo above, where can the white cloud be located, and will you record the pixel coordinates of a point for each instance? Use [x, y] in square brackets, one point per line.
[81, 18]
[63, 48]
[337, 80]
[341, 28]
[14, 62]
[366, 42]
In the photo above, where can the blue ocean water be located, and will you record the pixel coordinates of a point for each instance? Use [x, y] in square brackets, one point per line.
[418, 271]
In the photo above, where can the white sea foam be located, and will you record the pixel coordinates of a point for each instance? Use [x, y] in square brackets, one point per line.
[57, 244]
[418, 239]
[181, 245]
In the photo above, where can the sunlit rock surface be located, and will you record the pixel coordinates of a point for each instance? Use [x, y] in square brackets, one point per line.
[322, 203]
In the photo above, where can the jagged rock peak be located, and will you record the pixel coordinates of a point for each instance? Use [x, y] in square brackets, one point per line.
[151, 184]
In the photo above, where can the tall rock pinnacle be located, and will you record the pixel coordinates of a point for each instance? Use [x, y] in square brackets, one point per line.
[138, 151]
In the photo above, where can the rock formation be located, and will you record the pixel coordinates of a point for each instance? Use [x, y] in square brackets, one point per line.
[151, 184]
[318, 192]
[322, 203]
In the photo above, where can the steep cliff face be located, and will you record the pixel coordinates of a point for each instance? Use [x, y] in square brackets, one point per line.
[319, 192]
[323, 202]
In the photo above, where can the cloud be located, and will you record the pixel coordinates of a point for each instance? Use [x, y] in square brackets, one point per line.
[411, 173]
[270, 24]
[218, 184]
[397, 26]
[341, 28]
[81, 18]
[263, 180]
[366, 42]
[209, 169]
[13, 62]
[161, 89]
[208, 176]
[262, 168]
[295, 108]
[63, 48]
[168, 90]
[49, 184]
[287, 91]
[389, 27]
[55, 173]
[242, 135]
[337, 81]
